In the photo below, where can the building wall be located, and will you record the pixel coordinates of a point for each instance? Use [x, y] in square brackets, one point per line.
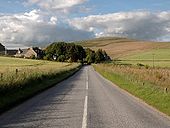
[30, 53]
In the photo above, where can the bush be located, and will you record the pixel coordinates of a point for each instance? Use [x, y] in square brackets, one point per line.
[140, 65]
[146, 66]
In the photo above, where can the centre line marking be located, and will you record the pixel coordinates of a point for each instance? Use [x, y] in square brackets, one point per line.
[84, 123]
[87, 83]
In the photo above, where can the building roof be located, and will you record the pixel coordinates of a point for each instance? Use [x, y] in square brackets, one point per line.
[22, 51]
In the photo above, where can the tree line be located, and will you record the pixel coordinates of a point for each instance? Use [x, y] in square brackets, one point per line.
[70, 52]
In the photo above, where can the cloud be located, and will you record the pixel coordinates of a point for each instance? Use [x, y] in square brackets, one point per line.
[39, 28]
[35, 27]
[140, 25]
[56, 5]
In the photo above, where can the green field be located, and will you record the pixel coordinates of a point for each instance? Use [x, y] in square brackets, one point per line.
[156, 57]
[158, 54]
[22, 78]
[10, 64]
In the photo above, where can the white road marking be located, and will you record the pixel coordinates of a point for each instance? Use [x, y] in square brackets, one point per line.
[84, 123]
[87, 83]
[87, 86]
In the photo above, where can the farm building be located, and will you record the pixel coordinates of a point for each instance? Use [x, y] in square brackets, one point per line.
[2, 49]
[33, 52]
[10, 52]
[21, 53]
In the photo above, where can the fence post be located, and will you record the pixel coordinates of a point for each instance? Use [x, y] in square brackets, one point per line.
[16, 72]
[165, 90]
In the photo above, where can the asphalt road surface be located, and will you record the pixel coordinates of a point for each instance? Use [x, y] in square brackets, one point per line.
[85, 100]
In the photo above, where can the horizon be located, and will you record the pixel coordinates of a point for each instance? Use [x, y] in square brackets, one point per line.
[21, 46]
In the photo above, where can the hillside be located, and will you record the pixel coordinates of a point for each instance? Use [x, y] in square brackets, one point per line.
[120, 48]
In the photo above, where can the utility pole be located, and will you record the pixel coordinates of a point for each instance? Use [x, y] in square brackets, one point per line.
[153, 60]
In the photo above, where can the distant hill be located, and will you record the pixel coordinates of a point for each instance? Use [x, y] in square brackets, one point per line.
[121, 47]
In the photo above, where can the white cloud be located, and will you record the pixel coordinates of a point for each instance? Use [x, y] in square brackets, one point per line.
[141, 25]
[35, 28]
[56, 5]
[53, 20]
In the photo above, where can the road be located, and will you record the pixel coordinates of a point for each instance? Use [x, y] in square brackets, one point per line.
[85, 100]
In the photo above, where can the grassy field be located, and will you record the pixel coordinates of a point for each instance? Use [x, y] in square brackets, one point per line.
[147, 84]
[22, 78]
[156, 57]
[158, 54]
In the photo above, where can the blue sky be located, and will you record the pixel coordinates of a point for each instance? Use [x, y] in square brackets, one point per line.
[107, 6]
[54, 20]
[98, 6]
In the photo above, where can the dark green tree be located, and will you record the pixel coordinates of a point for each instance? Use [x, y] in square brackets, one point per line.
[61, 58]
[61, 51]
[55, 50]
[90, 56]
[99, 57]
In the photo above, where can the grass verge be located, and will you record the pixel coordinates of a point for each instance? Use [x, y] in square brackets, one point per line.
[151, 94]
[11, 97]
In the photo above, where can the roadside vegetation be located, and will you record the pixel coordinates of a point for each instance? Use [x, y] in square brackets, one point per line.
[23, 78]
[147, 83]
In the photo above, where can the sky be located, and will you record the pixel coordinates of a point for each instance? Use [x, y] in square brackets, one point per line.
[39, 22]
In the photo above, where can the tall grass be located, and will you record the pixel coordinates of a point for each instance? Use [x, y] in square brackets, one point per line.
[12, 77]
[156, 76]
[147, 84]
[22, 79]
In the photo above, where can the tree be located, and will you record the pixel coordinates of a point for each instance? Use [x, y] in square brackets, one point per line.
[90, 56]
[66, 51]
[81, 52]
[99, 57]
[56, 49]
[106, 57]
[61, 58]
[71, 52]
